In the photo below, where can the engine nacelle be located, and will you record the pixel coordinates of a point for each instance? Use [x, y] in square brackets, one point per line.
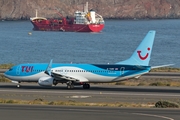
[46, 81]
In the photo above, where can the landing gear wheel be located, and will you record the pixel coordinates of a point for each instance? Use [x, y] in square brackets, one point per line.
[55, 82]
[86, 86]
[70, 85]
[18, 85]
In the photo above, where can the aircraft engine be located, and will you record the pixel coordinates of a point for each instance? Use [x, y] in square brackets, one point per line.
[46, 81]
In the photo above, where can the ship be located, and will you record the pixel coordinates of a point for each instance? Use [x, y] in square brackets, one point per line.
[82, 21]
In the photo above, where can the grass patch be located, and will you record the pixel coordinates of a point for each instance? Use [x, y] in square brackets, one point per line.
[150, 82]
[4, 79]
[141, 84]
[40, 101]
[166, 104]
[6, 66]
[160, 84]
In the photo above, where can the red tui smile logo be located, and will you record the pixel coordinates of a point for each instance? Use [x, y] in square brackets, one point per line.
[143, 57]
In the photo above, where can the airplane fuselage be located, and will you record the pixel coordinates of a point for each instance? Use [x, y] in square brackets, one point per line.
[91, 72]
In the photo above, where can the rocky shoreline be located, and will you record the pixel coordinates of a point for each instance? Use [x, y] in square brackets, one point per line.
[109, 9]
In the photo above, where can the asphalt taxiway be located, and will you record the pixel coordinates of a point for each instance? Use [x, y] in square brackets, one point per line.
[34, 112]
[97, 93]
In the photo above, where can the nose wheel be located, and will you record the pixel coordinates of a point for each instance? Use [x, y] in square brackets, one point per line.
[18, 85]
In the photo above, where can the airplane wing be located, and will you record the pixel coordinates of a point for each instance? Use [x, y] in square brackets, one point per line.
[61, 77]
[74, 78]
[48, 69]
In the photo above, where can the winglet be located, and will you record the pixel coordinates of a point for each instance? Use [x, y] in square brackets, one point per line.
[48, 69]
[141, 55]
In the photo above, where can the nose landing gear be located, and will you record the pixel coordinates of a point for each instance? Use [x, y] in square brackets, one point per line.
[18, 85]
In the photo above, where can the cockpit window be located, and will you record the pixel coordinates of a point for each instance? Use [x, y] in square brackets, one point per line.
[10, 69]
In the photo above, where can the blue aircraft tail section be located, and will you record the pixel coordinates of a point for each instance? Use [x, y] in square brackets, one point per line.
[141, 55]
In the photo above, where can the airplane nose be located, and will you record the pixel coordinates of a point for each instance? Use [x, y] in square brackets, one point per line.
[6, 74]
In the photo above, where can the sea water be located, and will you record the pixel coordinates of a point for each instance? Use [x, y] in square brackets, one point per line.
[116, 42]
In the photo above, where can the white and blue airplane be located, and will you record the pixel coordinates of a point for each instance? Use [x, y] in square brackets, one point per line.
[83, 74]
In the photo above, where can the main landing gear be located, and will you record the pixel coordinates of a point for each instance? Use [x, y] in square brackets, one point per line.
[55, 82]
[86, 86]
[70, 85]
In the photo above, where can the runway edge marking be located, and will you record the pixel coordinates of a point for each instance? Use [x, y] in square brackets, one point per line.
[151, 115]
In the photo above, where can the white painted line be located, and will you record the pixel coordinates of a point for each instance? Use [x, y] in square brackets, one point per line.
[151, 115]
[77, 96]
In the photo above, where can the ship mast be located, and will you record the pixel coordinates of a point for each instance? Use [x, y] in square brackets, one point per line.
[86, 7]
[36, 12]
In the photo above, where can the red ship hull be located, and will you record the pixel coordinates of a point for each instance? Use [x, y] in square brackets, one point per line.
[55, 25]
